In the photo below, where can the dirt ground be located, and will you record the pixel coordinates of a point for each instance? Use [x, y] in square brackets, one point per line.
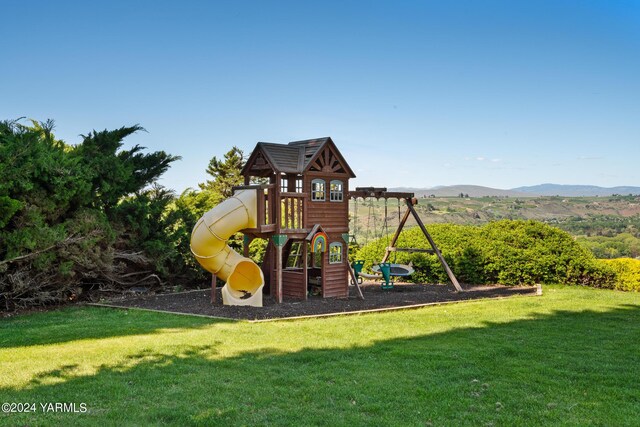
[199, 302]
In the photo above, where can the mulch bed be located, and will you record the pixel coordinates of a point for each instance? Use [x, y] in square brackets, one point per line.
[402, 295]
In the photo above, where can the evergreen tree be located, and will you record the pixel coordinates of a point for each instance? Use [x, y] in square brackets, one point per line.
[226, 173]
[115, 173]
[74, 218]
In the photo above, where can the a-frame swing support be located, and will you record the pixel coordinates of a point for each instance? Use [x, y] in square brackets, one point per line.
[411, 210]
[410, 201]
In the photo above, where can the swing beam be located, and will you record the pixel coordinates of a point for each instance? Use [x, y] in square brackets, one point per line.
[411, 201]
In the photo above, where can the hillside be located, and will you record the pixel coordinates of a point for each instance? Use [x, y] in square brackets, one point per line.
[578, 215]
[527, 191]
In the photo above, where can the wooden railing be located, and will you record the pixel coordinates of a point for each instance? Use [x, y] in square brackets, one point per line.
[292, 210]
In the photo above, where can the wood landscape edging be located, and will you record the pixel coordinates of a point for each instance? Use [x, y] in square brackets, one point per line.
[312, 316]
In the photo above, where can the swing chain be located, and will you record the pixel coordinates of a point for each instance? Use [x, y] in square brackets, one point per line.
[355, 218]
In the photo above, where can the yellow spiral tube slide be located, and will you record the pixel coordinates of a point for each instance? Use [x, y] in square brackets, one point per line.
[243, 277]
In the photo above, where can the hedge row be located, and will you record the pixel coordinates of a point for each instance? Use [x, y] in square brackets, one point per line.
[506, 252]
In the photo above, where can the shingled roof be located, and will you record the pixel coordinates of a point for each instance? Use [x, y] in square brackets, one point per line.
[294, 157]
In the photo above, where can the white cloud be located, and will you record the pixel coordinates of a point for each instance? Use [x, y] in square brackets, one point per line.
[483, 159]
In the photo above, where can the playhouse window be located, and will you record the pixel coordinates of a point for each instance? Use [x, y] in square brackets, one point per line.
[335, 253]
[298, 185]
[335, 191]
[317, 190]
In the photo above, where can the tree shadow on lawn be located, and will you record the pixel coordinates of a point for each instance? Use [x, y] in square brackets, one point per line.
[78, 323]
[568, 368]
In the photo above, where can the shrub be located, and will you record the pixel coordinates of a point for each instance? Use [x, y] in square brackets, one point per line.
[521, 252]
[507, 252]
[627, 272]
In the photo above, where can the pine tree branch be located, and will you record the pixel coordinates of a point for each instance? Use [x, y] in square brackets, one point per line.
[65, 242]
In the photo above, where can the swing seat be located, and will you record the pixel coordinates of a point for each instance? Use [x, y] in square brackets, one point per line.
[370, 276]
[398, 270]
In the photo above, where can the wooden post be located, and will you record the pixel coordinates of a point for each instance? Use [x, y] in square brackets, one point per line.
[305, 268]
[304, 212]
[452, 277]
[213, 288]
[277, 203]
[261, 197]
[268, 267]
[246, 241]
[345, 238]
[291, 182]
[280, 240]
[324, 263]
[279, 274]
[353, 277]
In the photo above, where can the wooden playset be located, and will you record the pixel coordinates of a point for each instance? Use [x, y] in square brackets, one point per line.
[303, 211]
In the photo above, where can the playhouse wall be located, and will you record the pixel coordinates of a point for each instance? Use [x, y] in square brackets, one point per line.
[336, 283]
[294, 284]
[336, 280]
[333, 216]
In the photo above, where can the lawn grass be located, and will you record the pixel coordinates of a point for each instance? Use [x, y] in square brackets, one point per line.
[570, 357]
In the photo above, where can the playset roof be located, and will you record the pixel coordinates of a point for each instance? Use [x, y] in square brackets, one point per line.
[294, 157]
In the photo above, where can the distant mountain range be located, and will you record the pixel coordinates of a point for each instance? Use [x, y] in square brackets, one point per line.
[455, 190]
[532, 191]
[576, 190]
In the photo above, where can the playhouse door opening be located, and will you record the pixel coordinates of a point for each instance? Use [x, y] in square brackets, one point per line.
[315, 272]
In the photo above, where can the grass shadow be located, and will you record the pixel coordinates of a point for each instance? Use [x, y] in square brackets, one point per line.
[78, 323]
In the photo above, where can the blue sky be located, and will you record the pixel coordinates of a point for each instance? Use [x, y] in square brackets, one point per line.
[424, 93]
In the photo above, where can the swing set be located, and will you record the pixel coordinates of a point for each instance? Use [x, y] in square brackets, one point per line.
[386, 270]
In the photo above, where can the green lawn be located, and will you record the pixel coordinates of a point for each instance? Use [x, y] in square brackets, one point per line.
[571, 357]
